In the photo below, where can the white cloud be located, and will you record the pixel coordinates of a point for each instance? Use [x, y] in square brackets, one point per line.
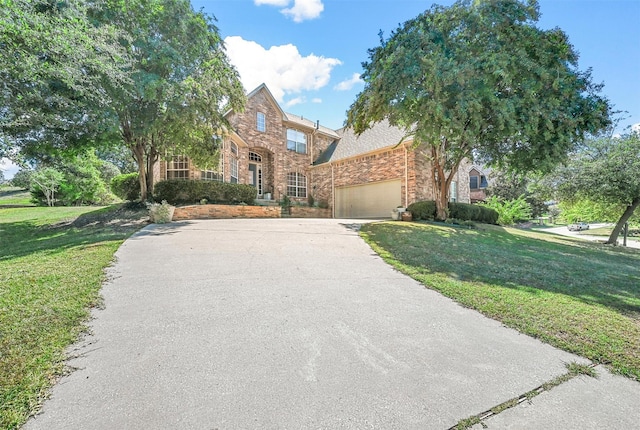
[304, 9]
[295, 101]
[346, 85]
[8, 168]
[272, 2]
[282, 68]
[636, 127]
[316, 100]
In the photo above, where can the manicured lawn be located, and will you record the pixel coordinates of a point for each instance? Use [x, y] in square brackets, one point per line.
[15, 197]
[51, 269]
[579, 296]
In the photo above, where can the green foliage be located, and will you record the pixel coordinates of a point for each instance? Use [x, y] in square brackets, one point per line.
[606, 170]
[479, 78]
[424, 210]
[46, 182]
[126, 186]
[468, 212]
[182, 81]
[191, 192]
[509, 211]
[589, 211]
[511, 185]
[22, 179]
[55, 67]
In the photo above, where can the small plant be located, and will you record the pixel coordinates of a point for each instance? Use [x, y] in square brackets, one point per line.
[311, 201]
[286, 201]
[203, 201]
[161, 213]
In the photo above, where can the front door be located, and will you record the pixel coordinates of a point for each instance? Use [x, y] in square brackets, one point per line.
[255, 177]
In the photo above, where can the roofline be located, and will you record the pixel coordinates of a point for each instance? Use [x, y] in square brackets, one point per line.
[405, 142]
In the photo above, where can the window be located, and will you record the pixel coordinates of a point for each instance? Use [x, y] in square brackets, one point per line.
[233, 170]
[453, 192]
[296, 185]
[255, 157]
[261, 123]
[296, 141]
[214, 175]
[476, 182]
[178, 167]
[234, 148]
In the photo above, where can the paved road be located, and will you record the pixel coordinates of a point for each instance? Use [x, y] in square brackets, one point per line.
[563, 231]
[296, 324]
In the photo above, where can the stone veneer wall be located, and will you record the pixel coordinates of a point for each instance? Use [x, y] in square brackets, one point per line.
[182, 213]
[307, 212]
[225, 211]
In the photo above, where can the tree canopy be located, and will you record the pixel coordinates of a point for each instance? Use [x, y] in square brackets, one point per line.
[605, 170]
[151, 74]
[479, 80]
[55, 67]
[182, 81]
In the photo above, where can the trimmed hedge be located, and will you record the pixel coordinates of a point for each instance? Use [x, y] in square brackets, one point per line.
[178, 191]
[425, 210]
[126, 186]
[469, 212]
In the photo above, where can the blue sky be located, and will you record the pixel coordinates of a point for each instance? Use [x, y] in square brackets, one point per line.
[309, 52]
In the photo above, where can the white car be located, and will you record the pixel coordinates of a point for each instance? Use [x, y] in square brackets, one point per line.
[578, 226]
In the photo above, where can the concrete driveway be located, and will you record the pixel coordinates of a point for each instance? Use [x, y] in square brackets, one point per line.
[297, 324]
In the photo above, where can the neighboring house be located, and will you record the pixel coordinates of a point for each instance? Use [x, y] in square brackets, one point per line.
[284, 154]
[478, 184]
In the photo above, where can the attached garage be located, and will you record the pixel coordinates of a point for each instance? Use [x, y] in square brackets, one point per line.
[373, 200]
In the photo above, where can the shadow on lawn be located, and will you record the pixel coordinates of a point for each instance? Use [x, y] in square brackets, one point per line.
[27, 237]
[591, 272]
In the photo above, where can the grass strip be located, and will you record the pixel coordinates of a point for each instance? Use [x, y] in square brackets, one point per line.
[574, 369]
[579, 296]
[52, 263]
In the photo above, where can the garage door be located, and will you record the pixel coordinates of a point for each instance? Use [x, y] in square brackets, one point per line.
[368, 201]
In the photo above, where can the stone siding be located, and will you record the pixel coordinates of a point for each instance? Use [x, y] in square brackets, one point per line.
[307, 212]
[225, 211]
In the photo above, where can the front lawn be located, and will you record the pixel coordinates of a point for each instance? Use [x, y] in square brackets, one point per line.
[13, 196]
[580, 296]
[51, 270]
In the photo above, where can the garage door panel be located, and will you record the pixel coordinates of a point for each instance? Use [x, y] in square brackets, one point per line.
[374, 200]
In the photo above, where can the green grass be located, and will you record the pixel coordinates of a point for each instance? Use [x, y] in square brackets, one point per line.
[580, 296]
[12, 196]
[51, 269]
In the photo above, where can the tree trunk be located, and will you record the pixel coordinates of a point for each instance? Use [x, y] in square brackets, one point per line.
[613, 239]
[152, 159]
[139, 155]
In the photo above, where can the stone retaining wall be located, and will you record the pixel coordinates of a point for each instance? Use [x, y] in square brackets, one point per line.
[307, 212]
[225, 211]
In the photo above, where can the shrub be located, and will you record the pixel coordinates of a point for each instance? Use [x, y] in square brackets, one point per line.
[469, 212]
[22, 179]
[126, 186]
[424, 210]
[177, 191]
[509, 211]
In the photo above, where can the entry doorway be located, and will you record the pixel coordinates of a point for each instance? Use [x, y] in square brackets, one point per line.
[255, 172]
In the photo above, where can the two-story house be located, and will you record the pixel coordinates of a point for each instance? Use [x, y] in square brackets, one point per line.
[284, 154]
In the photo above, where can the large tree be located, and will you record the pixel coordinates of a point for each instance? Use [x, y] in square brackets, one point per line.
[479, 79]
[605, 170]
[182, 82]
[55, 67]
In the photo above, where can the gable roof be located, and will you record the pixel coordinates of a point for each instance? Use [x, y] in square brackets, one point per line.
[380, 135]
[272, 99]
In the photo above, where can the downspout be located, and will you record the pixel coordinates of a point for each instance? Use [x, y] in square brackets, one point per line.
[333, 194]
[406, 176]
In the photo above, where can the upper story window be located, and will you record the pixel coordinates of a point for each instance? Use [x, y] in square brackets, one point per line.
[234, 148]
[477, 182]
[178, 167]
[261, 122]
[296, 141]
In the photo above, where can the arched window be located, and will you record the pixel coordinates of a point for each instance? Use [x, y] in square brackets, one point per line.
[296, 185]
[255, 157]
